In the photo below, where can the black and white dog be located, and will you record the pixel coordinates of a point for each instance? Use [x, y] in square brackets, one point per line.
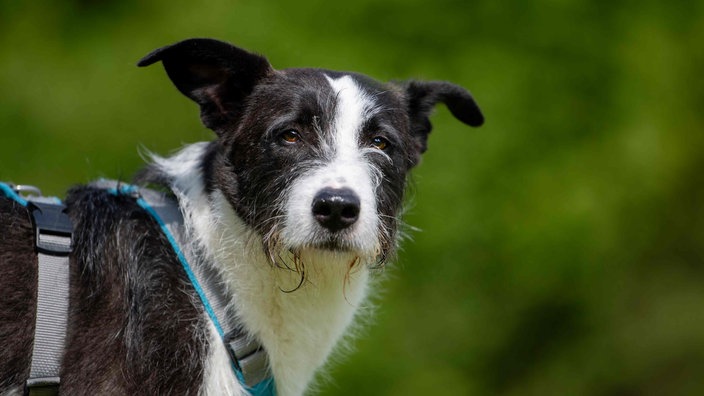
[293, 204]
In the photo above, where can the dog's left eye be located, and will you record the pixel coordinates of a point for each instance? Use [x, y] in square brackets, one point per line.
[290, 136]
[380, 143]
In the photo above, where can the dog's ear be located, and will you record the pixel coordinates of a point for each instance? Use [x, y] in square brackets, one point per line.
[216, 75]
[422, 97]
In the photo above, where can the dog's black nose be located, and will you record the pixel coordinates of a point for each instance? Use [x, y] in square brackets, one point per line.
[336, 208]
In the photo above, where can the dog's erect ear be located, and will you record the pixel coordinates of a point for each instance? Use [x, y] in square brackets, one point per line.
[424, 95]
[216, 75]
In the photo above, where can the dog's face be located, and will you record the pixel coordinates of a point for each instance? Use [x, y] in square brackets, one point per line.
[310, 158]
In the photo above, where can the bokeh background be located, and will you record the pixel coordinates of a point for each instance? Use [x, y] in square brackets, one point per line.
[561, 246]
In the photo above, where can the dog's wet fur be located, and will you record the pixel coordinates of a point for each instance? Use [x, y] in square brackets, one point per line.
[293, 203]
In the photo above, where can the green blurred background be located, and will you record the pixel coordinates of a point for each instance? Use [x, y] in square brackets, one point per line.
[561, 246]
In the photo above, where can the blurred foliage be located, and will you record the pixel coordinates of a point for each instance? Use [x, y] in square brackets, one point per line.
[561, 249]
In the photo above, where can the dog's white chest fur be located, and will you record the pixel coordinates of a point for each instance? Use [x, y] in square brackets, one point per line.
[298, 326]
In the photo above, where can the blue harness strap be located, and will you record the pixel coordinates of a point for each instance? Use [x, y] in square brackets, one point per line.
[249, 359]
[9, 192]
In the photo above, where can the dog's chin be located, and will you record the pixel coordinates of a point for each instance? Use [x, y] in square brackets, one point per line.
[323, 243]
[336, 245]
[332, 245]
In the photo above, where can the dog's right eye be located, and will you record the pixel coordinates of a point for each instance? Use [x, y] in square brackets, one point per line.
[290, 136]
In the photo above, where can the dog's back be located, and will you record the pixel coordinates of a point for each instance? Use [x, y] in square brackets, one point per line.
[18, 268]
[133, 327]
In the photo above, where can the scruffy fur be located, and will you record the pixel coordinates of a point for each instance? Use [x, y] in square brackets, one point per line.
[293, 203]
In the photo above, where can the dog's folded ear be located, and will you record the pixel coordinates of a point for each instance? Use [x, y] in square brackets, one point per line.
[216, 75]
[422, 97]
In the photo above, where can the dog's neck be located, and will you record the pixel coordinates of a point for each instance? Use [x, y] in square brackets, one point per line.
[298, 322]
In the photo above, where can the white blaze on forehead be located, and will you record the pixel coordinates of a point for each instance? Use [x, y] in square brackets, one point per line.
[353, 107]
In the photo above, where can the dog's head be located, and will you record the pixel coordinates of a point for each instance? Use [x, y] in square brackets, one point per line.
[310, 158]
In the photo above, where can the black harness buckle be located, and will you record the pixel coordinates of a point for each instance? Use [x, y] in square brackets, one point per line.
[50, 223]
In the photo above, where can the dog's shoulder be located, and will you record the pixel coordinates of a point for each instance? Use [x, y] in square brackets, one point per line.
[126, 276]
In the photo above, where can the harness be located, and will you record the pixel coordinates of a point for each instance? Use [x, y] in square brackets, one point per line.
[53, 231]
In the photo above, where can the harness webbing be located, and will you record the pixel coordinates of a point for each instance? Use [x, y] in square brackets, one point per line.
[53, 230]
[249, 359]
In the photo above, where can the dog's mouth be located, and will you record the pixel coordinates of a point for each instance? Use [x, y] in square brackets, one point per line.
[334, 244]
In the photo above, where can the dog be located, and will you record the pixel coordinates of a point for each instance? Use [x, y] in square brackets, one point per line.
[293, 205]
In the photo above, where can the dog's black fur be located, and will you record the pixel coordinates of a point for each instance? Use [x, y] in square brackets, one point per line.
[17, 293]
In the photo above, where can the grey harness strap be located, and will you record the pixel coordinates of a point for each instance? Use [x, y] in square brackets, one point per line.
[53, 230]
[249, 359]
